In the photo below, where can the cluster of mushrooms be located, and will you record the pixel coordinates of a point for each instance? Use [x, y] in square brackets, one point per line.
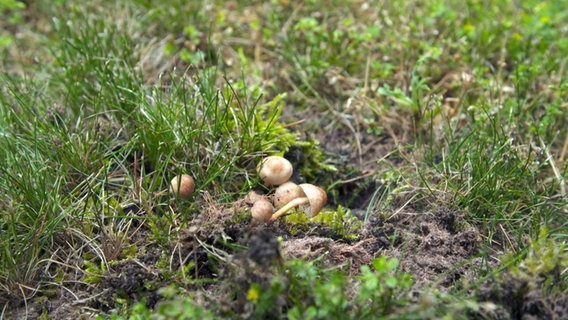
[275, 172]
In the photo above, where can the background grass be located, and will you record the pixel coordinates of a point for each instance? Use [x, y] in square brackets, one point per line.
[102, 104]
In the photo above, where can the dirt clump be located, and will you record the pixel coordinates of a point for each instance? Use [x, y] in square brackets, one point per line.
[434, 246]
[131, 280]
[336, 253]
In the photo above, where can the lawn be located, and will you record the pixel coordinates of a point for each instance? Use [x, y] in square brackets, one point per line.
[438, 130]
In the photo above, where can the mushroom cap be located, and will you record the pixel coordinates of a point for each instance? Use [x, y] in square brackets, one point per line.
[253, 196]
[274, 170]
[317, 199]
[261, 210]
[285, 193]
[182, 185]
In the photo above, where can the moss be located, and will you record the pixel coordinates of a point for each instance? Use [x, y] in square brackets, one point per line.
[340, 222]
[315, 160]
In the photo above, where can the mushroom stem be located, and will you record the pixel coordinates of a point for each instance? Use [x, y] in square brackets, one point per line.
[287, 207]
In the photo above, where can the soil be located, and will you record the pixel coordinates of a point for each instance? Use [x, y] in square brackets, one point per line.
[433, 243]
[436, 246]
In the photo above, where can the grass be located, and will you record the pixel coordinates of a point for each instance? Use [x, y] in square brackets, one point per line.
[393, 108]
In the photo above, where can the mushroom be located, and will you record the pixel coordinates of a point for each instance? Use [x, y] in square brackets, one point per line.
[311, 204]
[182, 186]
[285, 193]
[253, 196]
[261, 210]
[274, 170]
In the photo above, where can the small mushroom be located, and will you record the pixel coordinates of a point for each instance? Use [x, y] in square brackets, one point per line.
[285, 193]
[311, 204]
[261, 210]
[253, 196]
[274, 170]
[182, 186]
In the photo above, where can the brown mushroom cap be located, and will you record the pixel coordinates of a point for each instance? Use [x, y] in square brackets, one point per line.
[285, 193]
[261, 210]
[182, 186]
[274, 170]
[312, 204]
[253, 196]
[317, 198]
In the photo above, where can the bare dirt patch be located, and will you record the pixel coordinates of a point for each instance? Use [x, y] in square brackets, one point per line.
[436, 247]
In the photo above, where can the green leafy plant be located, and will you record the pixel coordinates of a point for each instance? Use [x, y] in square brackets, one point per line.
[316, 293]
[173, 307]
[381, 288]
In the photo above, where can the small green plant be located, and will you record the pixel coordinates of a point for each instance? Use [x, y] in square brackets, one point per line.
[340, 221]
[174, 306]
[181, 308]
[265, 301]
[314, 292]
[544, 266]
[382, 288]
[94, 272]
[534, 282]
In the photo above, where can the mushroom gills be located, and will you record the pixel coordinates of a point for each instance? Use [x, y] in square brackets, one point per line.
[311, 204]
